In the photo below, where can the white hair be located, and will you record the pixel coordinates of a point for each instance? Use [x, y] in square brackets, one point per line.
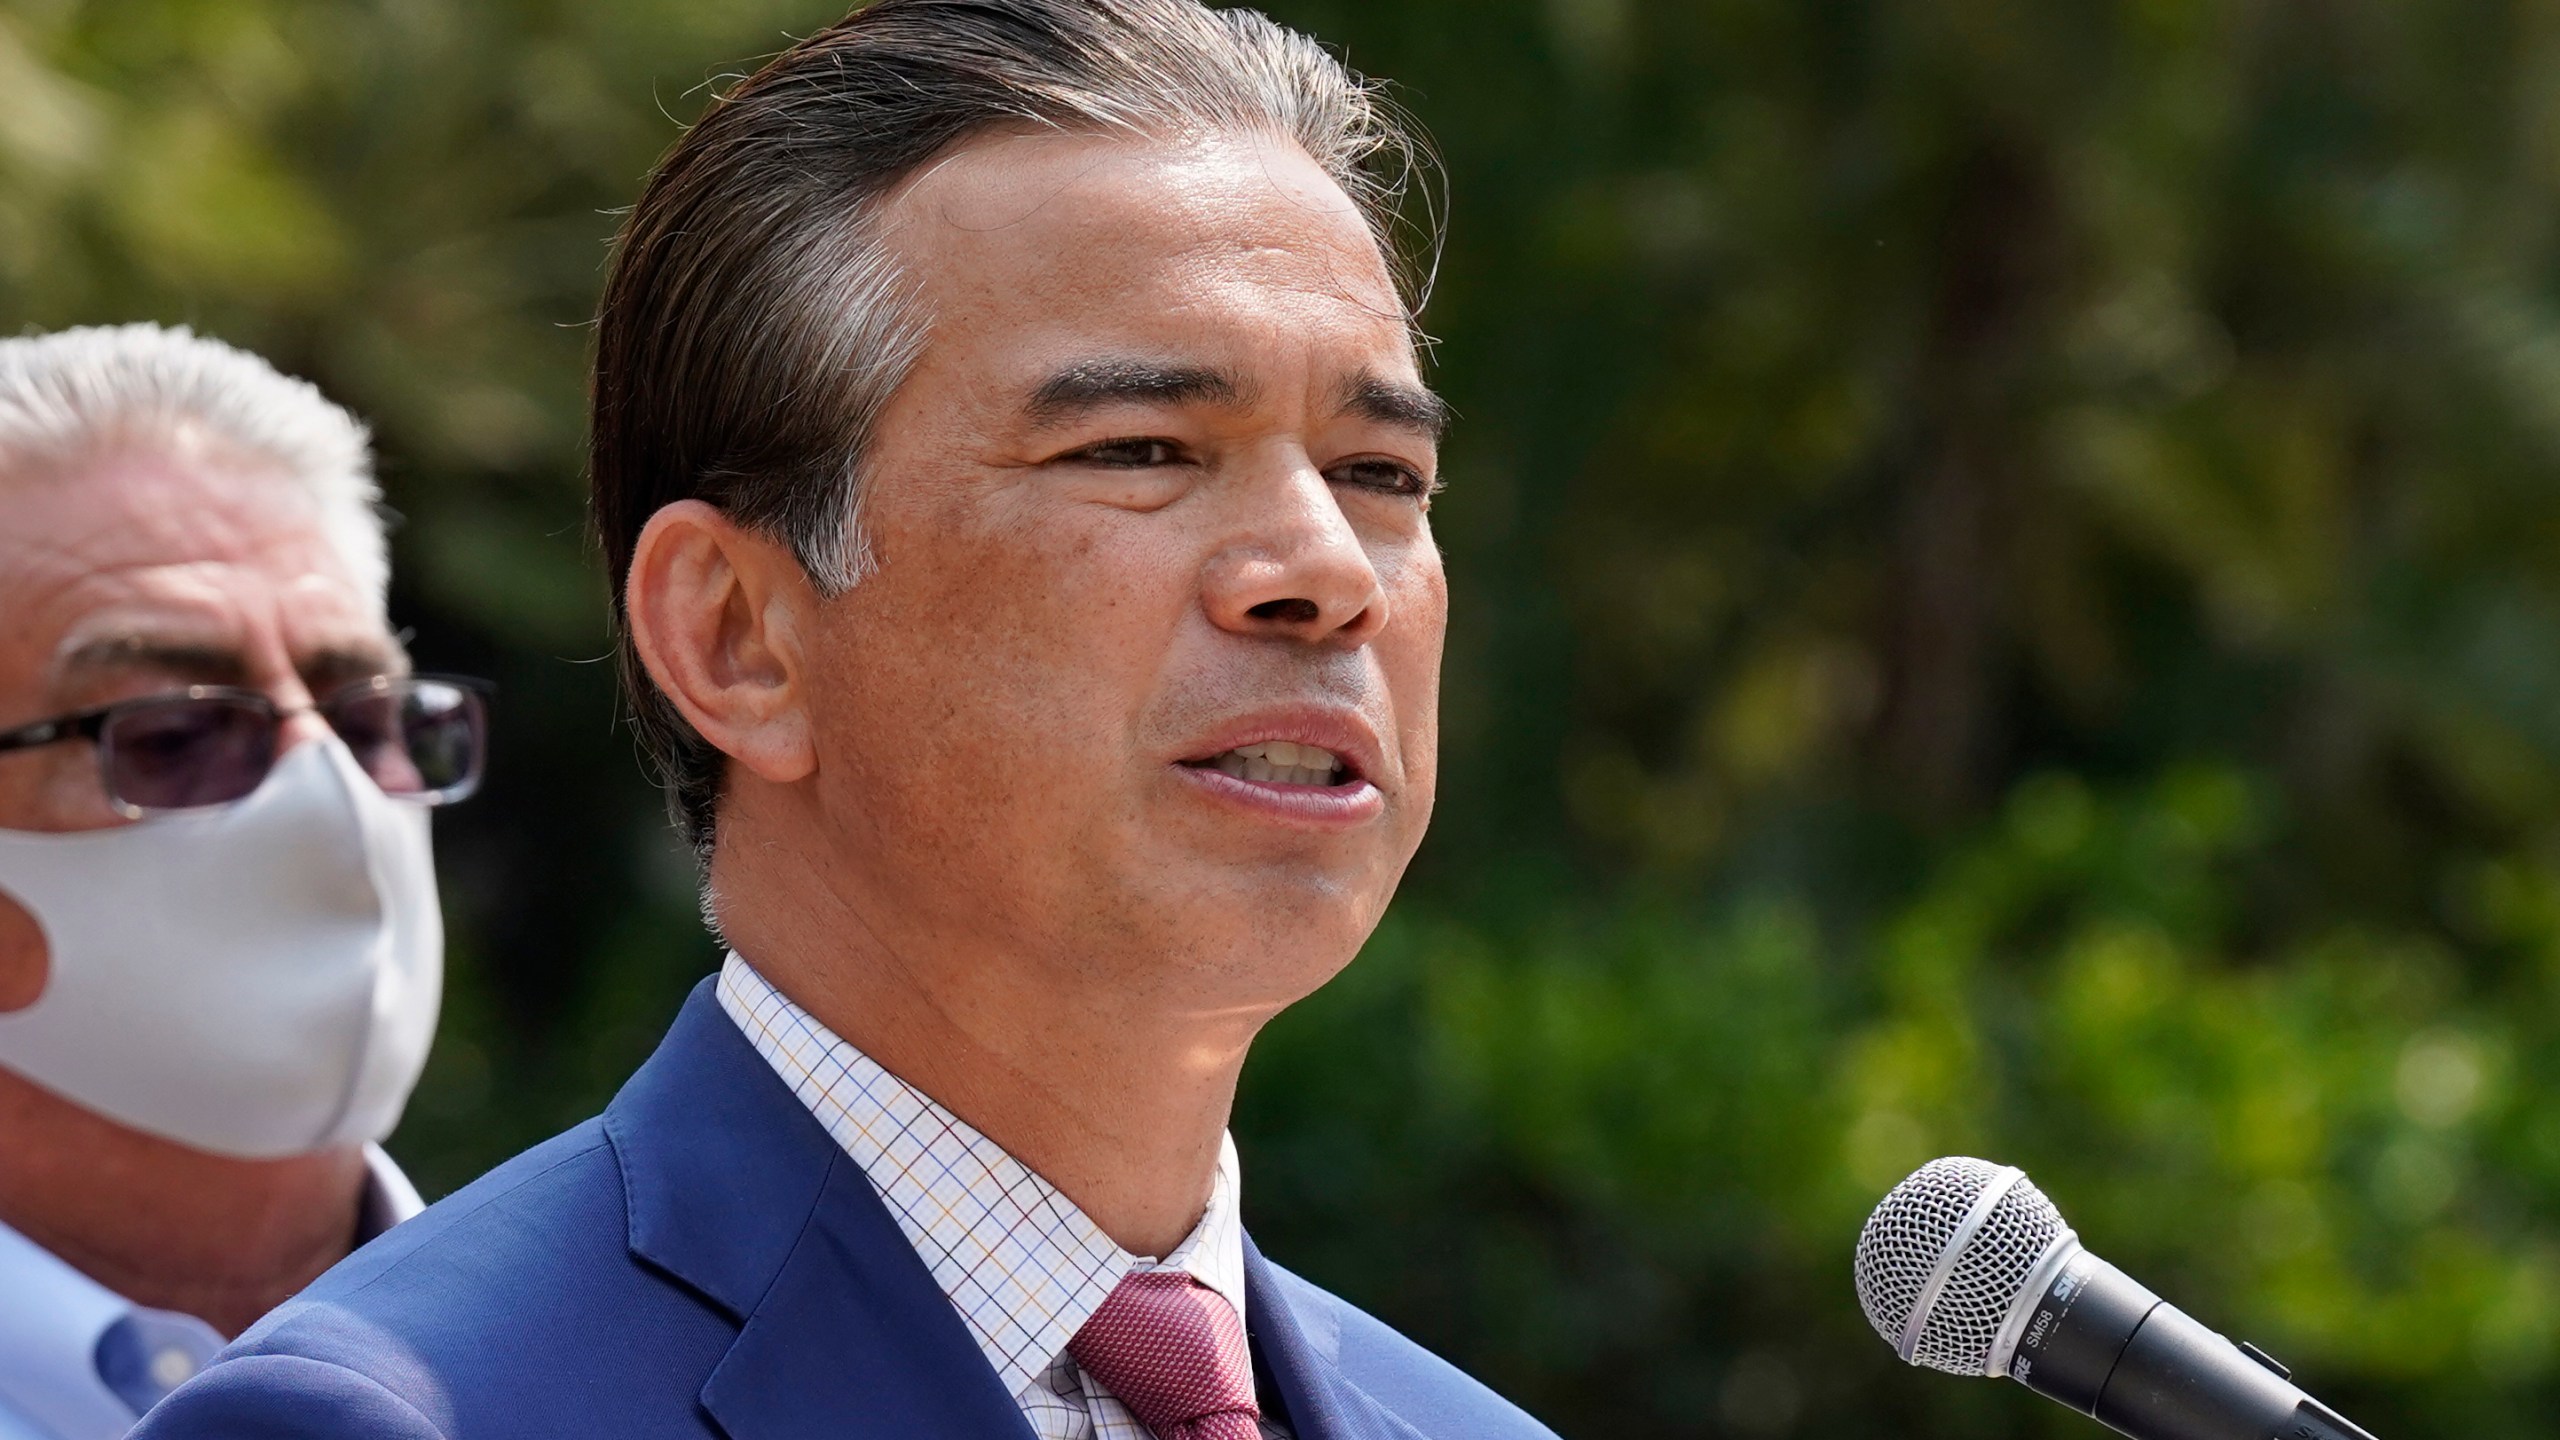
[76, 394]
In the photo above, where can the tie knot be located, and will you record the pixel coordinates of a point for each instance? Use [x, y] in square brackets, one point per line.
[1173, 1351]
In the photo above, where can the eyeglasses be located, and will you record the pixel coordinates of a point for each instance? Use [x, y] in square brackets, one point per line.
[422, 738]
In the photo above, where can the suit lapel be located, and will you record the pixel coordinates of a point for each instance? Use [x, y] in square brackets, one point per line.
[1298, 1346]
[737, 1191]
[856, 1339]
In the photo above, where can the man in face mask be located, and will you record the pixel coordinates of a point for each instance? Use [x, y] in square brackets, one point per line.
[220, 952]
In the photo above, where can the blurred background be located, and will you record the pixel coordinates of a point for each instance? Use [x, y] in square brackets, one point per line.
[2007, 568]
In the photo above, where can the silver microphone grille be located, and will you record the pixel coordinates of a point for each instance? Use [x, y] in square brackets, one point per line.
[1946, 1255]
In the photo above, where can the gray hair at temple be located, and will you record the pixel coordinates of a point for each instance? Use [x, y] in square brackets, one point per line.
[754, 324]
[77, 395]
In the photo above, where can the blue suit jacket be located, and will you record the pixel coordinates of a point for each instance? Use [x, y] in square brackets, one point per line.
[704, 1260]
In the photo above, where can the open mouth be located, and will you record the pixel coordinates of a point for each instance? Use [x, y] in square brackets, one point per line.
[1279, 762]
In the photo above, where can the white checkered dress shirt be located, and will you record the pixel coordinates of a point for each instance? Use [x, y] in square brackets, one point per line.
[1024, 1267]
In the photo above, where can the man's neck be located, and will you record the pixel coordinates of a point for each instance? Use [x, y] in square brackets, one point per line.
[1125, 1120]
[1122, 1108]
[166, 1226]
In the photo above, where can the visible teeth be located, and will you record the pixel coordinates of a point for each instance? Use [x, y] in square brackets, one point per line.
[1281, 762]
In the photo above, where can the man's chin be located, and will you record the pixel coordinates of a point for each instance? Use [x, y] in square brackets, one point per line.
[1300, 911]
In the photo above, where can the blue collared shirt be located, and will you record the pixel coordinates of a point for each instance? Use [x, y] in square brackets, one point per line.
[80, 1362]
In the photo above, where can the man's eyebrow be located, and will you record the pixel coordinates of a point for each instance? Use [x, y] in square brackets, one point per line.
[325, 669]
[1092, 384]
[1390, 402]
[203, 662]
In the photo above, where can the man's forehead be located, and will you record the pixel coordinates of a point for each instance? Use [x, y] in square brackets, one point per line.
[1129, 227]
[140, 504]
[1002, 177]
[1062, 274]
[131, 564]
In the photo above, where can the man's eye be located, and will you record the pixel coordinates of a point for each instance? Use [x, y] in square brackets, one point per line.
[1130, 454]
[1390, 477]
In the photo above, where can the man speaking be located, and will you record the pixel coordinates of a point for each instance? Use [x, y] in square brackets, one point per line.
[1012, 456]
[220, 952]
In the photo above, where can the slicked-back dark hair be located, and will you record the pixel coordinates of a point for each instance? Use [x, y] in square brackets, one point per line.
[754, 325]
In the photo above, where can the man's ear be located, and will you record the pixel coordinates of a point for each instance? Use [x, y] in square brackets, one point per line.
[718, 613]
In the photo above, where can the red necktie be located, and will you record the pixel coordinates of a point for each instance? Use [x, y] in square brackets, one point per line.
[1173, 1350]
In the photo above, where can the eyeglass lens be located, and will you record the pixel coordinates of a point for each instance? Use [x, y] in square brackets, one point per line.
[419, 738]
[186, 751]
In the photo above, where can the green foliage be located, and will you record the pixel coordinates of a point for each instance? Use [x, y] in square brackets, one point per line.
[2004, 603]
[1585, 1145]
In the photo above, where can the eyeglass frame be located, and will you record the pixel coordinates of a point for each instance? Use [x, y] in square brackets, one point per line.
[91, 725]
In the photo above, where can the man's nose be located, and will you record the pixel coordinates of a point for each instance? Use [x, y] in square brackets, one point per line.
[1296, 569]
[303, 721]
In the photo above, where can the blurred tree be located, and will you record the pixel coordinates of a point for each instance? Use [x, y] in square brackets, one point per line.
[2002, 604]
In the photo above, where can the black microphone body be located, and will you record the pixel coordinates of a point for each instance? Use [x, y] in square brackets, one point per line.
[1967, 1268]
[2100, 1342]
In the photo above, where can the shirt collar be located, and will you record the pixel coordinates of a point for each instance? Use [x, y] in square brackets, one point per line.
[388, 1199]
[1023, 1265]
[49, 1333]
[53, 1359]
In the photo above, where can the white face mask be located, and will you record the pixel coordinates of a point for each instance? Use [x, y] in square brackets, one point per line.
[257, 980]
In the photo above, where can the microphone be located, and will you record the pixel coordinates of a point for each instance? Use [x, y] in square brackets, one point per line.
[1966, 1267]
